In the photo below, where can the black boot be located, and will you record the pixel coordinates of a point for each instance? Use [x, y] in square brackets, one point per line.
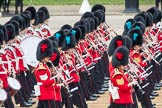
[25, 104]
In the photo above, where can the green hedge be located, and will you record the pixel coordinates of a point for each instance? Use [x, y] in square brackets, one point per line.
[78, 2]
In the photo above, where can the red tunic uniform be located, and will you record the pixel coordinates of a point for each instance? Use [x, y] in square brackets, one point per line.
[58, 96]
[13, 58]
[43, 77]
[119, 80]
[20, 58]
[46, 31]
[3, 73]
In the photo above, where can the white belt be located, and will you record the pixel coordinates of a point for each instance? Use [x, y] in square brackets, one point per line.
[39, 83]
[73, 89]
[2, 73]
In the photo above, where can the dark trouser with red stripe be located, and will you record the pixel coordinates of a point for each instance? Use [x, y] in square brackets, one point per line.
[123, 105]
[58, 104]
[46, 104]
[24, 87]
[66, 98]
[77, 95]
[8, 103]
[84, 83]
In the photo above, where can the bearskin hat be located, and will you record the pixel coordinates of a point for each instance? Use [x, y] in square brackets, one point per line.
[2, 27]
[19, 19]
[136, 36]
[10, 31]
[120, 57]
[88, 25]
[36, 21]
[83, 31]
[66, 28]
[149, 19]
[142, 14]
[55, 58]
[154, 12]
[92, 24]
[2, 38]
[85, 23]
[54, 39]
[77, 33]
[139, 25]
[99, 15]
[27, 18]
[44, 49]
[116, 42]
[158, 19]
[98, 7]
[41, 16]
[32, 10]
[103, 14]
[60, 35]
[17, 26]
[69, 42]
[24, 21]
[96, 22]
[47, 16]
[128, 42]
[87, 15]
[55, 44]
[128, 24]
[139, 19]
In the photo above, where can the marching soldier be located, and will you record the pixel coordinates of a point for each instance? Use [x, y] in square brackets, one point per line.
[43, 75]
[45, 27]
[137, 39]
[119, 80]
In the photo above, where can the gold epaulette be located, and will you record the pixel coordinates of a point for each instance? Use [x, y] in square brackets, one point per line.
[116, 72]
[137, 59]
[118, 81]
[40, 66]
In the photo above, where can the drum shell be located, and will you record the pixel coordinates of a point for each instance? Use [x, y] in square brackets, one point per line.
[14, 86]
[12, 92]
[2, 100]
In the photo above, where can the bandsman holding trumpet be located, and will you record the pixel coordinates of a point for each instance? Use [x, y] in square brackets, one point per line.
[44, 78]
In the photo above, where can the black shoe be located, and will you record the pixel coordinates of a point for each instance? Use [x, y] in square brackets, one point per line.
[106, 82]
[157, 88]
[154, 94]
[154, 91]
[100, 92]
[25, 104]
[106, 78]
[95, 95]
[153, 104]
[158, 85]
[30, 101]
[32, 95]
[105, 85]
[152, 97]
[104, 89]
[91, 98]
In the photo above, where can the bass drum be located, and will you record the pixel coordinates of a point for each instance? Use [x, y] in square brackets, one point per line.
[29, 48]
[3, 96]
[14, 85]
